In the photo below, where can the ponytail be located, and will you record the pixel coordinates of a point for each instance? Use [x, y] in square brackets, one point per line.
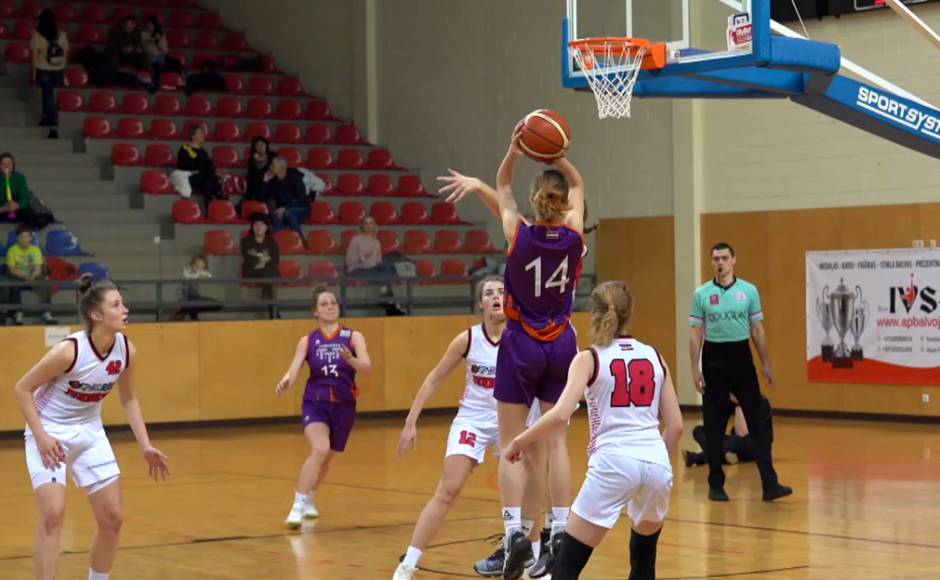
[611, 311]
[550, 196]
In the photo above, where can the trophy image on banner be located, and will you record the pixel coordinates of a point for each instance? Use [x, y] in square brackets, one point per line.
[843, 315]
[824, 312]
[859, 318]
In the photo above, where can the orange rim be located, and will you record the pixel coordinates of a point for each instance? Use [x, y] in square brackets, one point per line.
[654, 56]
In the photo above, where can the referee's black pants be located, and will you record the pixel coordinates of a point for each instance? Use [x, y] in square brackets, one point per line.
[728, 368]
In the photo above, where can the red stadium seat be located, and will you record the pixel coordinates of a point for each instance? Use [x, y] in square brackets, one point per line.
[292, 155]
[384, 212]
[380, 185]
[125, 154]
[75, 78]
[289, 109]
[290, 270]
[177, 39]
[478, 242]
[121, 12]
[96, 128]
[257, 129]
[206, 40]
[219, 243]
[22, 30]
[198, 106]
[447, 242]
[414, 212]
[258, 85]
[130, 128]
[347, 237]
[380, 160]
[320, 159]
[289, 242]
[222, 211]
[225, 156]
[321, 212]
[318, 111]
[425, 268]
[3, 29]
[167, 105]
[417, 242]
[348, 135]
[290, 87]
[69, 101]
[259, 108]
[233, 84]
[350, 159]
[288, 133]
[16, 52]
[329, 184]
[235, 41]
[389, 241]
[89, 34]
[453, 267]
[267, 64]
[170, 81]
[188, 124]
[322, 270]
[64, 12]
[322, 242]
[164, 130]
[228, 107]
[159, 155]
[155, 183]
[250, 207]
[7, 9]
[351, 212]
[226, 132]
[234, 184]
[30, 9]
[350, 184]
[411, 186]
[135, 104]
[209, 19]
[183, 19]
[187, 211]
[94, 13]
[444, 213]
[317, 134]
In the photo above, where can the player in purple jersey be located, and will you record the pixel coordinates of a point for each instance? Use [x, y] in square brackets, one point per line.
[334, 354]
[543, 265]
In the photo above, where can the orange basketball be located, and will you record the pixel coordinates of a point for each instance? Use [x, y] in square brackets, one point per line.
[545, 135]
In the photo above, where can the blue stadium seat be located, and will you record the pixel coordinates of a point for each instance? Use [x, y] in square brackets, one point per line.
[63, 243]
[98, 270]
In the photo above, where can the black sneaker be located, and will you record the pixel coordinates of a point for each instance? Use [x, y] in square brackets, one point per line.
[719, 494]
[518, 553]
[777, 492]
[546, 562]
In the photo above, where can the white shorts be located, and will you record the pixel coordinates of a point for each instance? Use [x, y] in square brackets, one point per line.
[88, 453]
[471, 437]
[614, 481]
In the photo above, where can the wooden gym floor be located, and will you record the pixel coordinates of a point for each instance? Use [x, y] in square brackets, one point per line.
[866, 506]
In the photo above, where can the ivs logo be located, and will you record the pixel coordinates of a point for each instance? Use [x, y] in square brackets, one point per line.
[114, 367]
[912, 296]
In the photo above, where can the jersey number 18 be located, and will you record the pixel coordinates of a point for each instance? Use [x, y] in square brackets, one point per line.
[634, 384]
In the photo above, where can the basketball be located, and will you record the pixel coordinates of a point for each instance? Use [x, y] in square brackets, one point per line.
[545, 135]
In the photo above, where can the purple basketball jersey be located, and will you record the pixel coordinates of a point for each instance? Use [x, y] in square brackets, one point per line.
[542, 271]
[331, 377]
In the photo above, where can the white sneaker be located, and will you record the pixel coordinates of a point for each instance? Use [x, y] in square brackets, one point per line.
[404, 572]
[295, 517]
[310, 511]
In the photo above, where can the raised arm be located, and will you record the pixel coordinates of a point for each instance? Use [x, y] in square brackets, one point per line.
[669, 413]
[451, 359]
[508, 211]
[290, 377]
[575, 217]
[55, 363]
[457, 186]
[156, 460]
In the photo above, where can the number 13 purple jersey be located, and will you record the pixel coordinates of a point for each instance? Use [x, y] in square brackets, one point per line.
[542, 271]
[331, 377]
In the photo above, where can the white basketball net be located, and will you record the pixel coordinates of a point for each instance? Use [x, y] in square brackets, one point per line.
[611, 74]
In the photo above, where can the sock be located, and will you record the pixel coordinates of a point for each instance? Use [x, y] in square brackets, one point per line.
[559, 519]
[300, 498]
[527, 526]
[512, 520]
[92, 575]
[572, 559]
[536, 550]
[412, 556]
[643, 556]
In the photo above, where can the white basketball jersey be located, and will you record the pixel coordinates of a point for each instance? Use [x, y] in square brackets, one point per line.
[623, 401]
[75, 397]
[481, 372]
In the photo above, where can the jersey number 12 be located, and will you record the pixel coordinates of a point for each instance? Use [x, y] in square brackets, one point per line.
[558, 279]
[634, 384]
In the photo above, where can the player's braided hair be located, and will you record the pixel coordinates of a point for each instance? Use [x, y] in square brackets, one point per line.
[550, 195]
[611, 310]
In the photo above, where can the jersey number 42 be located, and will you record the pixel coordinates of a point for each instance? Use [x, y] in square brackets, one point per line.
[634, 383]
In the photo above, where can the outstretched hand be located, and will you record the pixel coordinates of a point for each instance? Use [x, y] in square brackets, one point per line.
[457, 186]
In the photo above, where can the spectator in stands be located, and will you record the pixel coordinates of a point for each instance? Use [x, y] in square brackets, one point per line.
[155, 47]
[193, 157]
[124, 44]
[50, 47]
[258, 165]
[285, 187]
[364, 261]
[15, 196]
[260, 257]
[198, 269]
[25, 264]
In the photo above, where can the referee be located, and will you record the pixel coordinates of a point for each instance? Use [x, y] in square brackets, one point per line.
[726, 312]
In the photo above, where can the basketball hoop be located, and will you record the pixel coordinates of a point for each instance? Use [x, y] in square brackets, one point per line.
[612, 65]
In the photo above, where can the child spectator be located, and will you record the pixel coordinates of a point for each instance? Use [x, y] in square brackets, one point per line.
[198, 269]
[25, 264]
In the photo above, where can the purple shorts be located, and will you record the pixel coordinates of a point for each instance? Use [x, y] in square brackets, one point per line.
[339, 417]
[527, 368]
